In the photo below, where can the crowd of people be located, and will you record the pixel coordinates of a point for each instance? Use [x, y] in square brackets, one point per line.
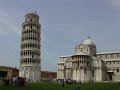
[22, 82]
[47, 80]
[14, 81]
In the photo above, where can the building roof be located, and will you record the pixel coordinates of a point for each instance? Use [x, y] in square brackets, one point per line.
[108, 52]
[9, 67]
[65, 56]
[6, 66]
[114, 59]
[81, 53]
[61, 62]
[88, 42]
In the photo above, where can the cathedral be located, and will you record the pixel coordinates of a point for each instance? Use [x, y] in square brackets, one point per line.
[87, 65]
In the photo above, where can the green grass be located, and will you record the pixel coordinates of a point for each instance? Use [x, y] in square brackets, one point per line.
[56, 86]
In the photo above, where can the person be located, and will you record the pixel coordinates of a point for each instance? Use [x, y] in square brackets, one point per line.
[0, 80]
[77, 87]
[92, 82]
[63, 83]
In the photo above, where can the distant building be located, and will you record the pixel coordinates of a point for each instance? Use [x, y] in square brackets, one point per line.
[8, 71]
[30, 55]
[88, 65]
[48, 74]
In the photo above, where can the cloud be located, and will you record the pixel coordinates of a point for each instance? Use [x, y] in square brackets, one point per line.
[115, 4]
[64, 24]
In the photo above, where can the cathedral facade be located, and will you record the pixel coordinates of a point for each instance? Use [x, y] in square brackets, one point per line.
[88, 65]
[30, 55]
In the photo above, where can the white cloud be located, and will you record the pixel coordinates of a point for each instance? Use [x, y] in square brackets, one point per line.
[115, 4]
[62, 27]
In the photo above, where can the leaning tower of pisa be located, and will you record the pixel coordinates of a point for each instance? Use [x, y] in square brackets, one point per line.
[30, 60]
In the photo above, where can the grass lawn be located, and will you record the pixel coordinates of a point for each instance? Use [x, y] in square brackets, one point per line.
[56, 86]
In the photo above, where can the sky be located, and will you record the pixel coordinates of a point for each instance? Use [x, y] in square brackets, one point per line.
[64, 25]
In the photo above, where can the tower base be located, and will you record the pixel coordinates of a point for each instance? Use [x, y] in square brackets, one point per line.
[31, 73]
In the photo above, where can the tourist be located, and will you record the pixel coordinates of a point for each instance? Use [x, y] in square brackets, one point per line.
[63, 83]
[77, 87]
[0, 80]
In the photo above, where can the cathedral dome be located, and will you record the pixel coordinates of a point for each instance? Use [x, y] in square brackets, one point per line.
[88, 42]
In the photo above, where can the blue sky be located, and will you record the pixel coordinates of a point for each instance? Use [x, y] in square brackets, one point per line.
[65, 23]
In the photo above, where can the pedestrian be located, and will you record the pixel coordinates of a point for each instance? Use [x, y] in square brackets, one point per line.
[63, 84]
[0, 80]
[77, 87]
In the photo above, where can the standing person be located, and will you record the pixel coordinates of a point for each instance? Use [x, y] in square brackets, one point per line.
[63, 83]
[7, 81]
[0, 80]
[14, 81]
[77, 87]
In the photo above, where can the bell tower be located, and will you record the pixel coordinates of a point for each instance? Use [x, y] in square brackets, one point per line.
[30, 55]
